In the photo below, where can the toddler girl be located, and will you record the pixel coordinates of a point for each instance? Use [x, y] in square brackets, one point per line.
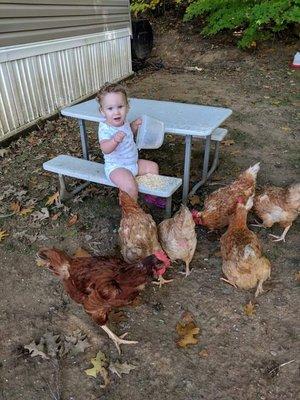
[117, 142]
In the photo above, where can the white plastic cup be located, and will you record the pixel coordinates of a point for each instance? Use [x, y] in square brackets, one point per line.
[150, 133]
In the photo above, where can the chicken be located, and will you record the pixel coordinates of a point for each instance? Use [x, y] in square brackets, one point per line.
[100, 283]
[243, 263]
[178, 237]
[278, 205]
[219, 205]
[137, 232]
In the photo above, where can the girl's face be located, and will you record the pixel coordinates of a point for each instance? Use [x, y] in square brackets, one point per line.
[114, 108]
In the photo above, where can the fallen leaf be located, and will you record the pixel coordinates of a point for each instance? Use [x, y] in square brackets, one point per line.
[52, 343]
[40, 215]
[26, 211]
[4, 152]
[3, 234]
[187, 329]
[99, 364]
[119, 369]
[53, 199]
[15, 207]
[55, 217]
[80, 347]
[36, 350]
[286, 129]
[203, 353]
[249, 309]
[194, 200]
[40, 263]
[297, 276]
[228, 142]
[80, 252]
[73, 219]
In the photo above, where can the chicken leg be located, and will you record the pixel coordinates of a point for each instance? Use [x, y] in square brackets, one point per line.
[282, 236]
[187, 269]
[116, 339]
[259, 289]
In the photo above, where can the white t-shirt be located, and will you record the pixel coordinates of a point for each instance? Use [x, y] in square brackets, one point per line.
[126, 153]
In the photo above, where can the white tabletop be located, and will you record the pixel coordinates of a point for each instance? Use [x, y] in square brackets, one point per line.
[179, 118]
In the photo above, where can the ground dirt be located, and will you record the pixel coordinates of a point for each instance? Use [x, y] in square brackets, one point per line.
[237, 356]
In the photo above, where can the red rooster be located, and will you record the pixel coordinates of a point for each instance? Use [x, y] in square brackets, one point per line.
[100, 283]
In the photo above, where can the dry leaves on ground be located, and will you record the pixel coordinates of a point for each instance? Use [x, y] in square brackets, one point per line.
[80, 252]
[54, 199]
[4, 152]
[3, 234]
[36, 350]
[40, 215]
[187, 330]
[194, 200]
[119, 369]
[99, 367]
[72, 220]
[58, 346]
[249, 309]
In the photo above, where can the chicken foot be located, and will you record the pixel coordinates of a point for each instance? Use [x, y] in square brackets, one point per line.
[162, 281]
[116, 339]
[258, 224]
[282, 236]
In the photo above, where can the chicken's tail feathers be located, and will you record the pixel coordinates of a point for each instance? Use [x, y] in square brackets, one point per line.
[127, 203]
[56, 260]
[253, 171]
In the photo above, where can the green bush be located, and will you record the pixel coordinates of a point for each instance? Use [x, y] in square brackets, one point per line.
[257, 19]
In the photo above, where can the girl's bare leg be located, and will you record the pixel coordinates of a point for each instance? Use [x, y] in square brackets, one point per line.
[125, 181]
[147, 167]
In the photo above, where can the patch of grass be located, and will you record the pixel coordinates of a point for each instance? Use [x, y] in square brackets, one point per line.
[239, 136]
[292, 156]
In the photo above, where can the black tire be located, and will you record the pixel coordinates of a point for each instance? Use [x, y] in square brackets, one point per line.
[142, 39]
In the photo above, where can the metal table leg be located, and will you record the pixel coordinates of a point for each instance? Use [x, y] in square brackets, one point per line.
[84, 139]
[187, 164]
[168, 210]
[205, 172]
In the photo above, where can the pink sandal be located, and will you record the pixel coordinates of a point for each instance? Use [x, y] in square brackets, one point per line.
[155, 200]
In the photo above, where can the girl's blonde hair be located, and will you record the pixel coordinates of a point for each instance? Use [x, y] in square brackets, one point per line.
[111, 88]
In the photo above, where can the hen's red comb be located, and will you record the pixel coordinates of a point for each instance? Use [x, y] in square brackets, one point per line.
[196, 217]
[240, 200]
[161, 255]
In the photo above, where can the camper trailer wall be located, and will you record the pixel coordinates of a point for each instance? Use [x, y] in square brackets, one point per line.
[57, 52]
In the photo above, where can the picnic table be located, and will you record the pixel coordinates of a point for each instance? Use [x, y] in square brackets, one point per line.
[188, 120]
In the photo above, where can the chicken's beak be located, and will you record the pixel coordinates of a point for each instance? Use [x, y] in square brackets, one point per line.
[40, 262]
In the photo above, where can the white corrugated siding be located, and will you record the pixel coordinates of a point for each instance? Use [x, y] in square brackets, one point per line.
[35, 87]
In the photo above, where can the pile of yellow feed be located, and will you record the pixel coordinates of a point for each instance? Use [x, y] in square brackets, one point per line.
[151, 181]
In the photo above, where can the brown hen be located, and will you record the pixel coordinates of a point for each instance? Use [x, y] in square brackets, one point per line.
[101, 284]
[278, 205]
[137, 233]
[221, 204]
[178, 237]
[243, 262]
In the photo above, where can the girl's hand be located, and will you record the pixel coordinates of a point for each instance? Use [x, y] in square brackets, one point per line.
[135, 125]
[119, 136]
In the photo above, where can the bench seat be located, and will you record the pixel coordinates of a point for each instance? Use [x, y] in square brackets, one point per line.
[91, 171]
[217, 136]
